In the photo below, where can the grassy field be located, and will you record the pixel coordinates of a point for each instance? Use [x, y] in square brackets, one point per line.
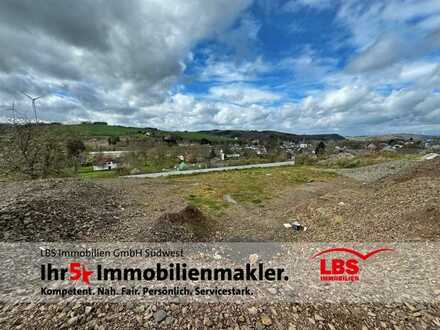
[311, 167]
[90, 130]
[86, 172]
[197, 136]
[101, 130]
[245, 186]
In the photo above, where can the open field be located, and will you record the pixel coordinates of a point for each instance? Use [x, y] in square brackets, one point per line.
[236, 206]
[210, 170]
[102, 130]
[96, 130]
[153, 170]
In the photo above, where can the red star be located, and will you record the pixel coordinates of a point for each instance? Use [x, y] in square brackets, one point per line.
[85, 275]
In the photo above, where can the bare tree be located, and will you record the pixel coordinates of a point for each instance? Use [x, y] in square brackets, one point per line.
[75, 147]
[31, 150]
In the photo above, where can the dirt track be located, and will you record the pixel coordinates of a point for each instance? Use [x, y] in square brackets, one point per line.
[404, 206]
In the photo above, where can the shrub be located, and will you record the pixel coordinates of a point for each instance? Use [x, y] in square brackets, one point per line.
[303, 159]
[348, 163]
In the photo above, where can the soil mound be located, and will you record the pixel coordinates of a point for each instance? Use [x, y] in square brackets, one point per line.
[427, 169]
[186, 225]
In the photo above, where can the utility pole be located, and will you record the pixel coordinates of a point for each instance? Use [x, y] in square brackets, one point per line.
[13, 112]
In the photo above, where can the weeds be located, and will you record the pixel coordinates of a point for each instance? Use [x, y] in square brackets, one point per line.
[244, 186]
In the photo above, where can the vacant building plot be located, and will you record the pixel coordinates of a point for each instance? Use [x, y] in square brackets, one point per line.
[402, 206]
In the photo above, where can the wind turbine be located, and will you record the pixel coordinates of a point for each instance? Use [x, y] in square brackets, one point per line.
[33, 99]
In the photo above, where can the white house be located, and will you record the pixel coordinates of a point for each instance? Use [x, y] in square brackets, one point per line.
[105, 164]
[107, 160]
[232, 156]
[224, 156]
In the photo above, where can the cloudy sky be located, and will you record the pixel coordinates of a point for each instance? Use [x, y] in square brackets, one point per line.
[303, 66]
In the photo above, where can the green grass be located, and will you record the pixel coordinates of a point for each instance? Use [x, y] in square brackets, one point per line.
[87, 172]
[252, 187]
[158, 166]
[196, 136]
[99, 130]
[90, 130]
[206, 202]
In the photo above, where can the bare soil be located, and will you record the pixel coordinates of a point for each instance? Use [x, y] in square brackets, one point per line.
[56, 210]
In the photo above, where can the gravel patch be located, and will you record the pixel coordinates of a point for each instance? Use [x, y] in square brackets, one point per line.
[372, 173]
[56, 210]
[220, 316]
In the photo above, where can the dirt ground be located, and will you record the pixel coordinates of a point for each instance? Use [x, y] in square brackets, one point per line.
[402, 206]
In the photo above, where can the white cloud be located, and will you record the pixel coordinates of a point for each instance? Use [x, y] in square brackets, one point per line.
[294, 5]
[230, 71]
[181, 110]
[404, 10]
[344, 98]
[308, 65]
[385, 33]
[367, 98]
[120, 54]
[347, 110]
[244, 37]
[118, 66]
[380, 54]
[360, 110]
[242, 94]
[418, 71]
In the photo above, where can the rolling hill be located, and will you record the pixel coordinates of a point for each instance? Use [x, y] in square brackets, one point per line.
[102, 130]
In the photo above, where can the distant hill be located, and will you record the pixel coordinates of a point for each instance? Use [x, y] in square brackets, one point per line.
[399, 136]
[263, 135]
[102, 130]
[85, 130]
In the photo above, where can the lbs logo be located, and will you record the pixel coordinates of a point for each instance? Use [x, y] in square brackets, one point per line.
[343, 269]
